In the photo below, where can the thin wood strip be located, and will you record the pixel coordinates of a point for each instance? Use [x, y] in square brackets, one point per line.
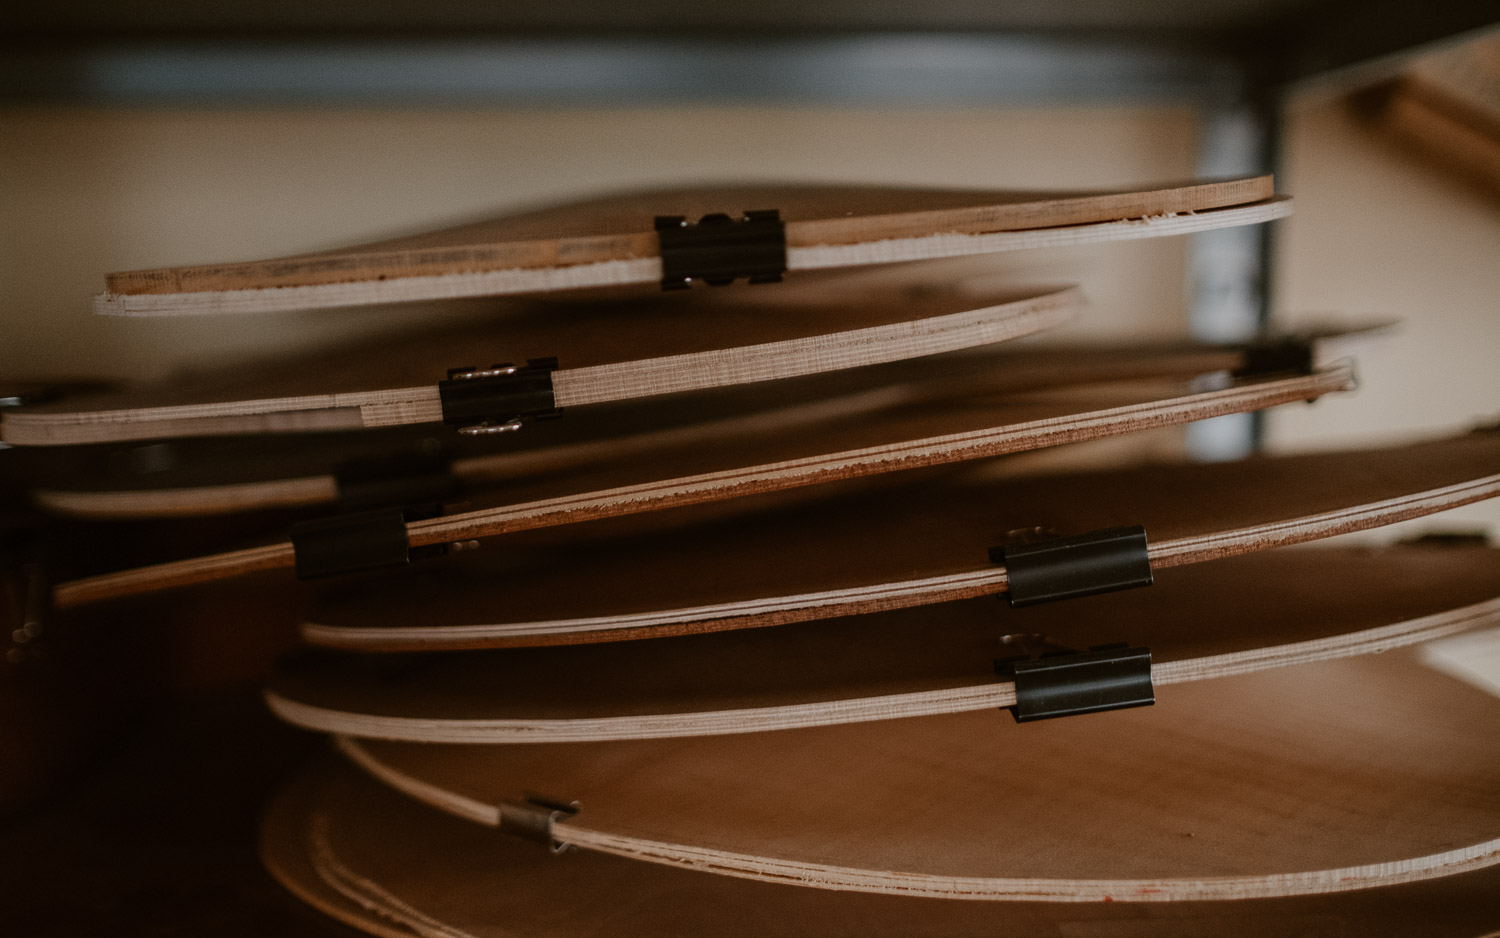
[734, 483]
[613, 228]
[866, 709]
[571, 387]
[872, 460]
[904, 594]
[648, 269]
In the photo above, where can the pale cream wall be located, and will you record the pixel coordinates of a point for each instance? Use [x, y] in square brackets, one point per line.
[1383, 235]
[84, 192]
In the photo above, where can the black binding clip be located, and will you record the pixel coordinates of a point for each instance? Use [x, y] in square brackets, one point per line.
[534, 817]
[500, 398]
[411, 477]
[1060, 682]
[363, 540]
[719, 250]
[1290, 355]
[1078, 565]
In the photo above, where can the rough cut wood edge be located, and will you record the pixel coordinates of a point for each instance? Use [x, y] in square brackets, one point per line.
[783, 610]
[888, 882]
[618, 381]
[893, 706]
[648, 270]
[716, 486]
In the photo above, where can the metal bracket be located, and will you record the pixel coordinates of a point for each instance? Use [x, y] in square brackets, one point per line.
[1061, 682]
[1078, 565]
[719, 250]
[534, 817]
[500, 398]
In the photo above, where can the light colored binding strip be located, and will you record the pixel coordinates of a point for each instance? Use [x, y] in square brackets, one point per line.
[825, 713]
[773, 477]
[648, 269]
[900, 595]
[596, 384]
[888, 882]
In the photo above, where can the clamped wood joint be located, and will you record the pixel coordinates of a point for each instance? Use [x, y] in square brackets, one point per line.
[534, 817]
[498, 399]
[362, 540]
[1077, 565]
[719, 250]
[1060, 682]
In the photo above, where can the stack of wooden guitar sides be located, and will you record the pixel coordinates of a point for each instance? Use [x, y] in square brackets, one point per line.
[722, 591]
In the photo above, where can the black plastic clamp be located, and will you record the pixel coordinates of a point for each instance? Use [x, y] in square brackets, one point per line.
[1276, 356]
[1063, 683]
[500, 398]
[534, 817]
[363, 540]
[1078, 565]
[719, 250]
[412, 477]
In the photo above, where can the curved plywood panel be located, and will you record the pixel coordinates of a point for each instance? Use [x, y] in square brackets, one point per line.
[1327, 777]
[1046, 419]
[639, 578]
[389, 866]
[606, 352]
[610, 241]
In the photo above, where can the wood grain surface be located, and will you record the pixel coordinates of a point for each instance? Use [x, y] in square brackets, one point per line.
[1040, 420]
[609, 241]
[613, 351]
[883, 546]
[1271, 610]
[1332, 776]
[391, 867]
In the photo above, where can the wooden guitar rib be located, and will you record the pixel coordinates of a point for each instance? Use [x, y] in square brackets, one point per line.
[595, 366]
[1327, 777]
[901, 544]
[1310, 605]
[194, 477]
[1069, 425]
[609, 242]
[391, 867]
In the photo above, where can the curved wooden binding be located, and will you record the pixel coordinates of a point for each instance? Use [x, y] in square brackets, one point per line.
[598, 353]
[855, 553]
[1327, 777]
[611, 241]
[227, 474]
[1248, 614]
[1013, 424]
[384, 864]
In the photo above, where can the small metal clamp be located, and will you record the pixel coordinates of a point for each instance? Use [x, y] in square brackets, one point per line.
[534, 817]
[1078, 565]
[719, 250]
[1052, 680]
[1289, 355]
[500, 398]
